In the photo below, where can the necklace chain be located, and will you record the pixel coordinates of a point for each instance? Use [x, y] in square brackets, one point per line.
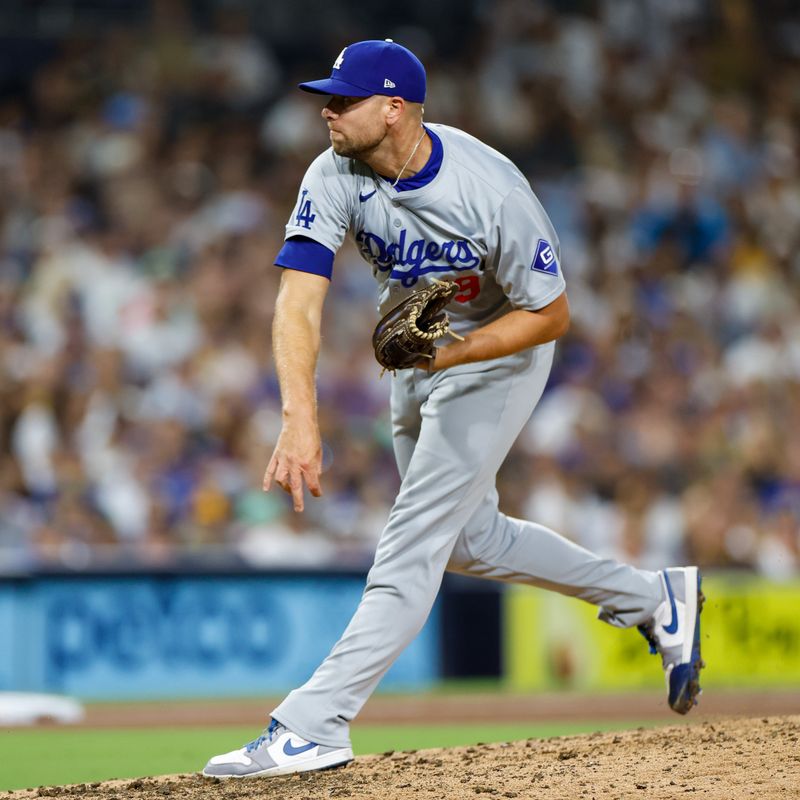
[408, 160]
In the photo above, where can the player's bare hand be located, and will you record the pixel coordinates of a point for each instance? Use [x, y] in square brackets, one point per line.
[296, 462]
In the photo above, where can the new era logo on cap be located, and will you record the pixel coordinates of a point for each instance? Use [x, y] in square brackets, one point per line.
[358, 69]
[545, 258]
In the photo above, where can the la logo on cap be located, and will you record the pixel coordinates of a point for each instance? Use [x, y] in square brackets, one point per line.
[373, 67]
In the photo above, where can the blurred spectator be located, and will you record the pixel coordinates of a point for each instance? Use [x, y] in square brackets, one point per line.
[145, 176]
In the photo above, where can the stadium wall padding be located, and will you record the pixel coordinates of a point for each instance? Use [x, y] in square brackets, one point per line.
[750, 630]
[126, 637]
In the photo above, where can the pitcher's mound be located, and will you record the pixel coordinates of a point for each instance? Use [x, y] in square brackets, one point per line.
[726, 759]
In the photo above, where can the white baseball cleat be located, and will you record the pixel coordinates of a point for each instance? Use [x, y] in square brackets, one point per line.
[674, 632]
[277, 751]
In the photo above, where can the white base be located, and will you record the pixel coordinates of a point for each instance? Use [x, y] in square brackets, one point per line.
[24, 708]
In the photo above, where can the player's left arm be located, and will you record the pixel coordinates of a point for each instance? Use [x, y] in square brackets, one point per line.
[518, 330]
[523, 254]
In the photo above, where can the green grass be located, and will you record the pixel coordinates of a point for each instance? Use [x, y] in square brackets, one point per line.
[46, 757]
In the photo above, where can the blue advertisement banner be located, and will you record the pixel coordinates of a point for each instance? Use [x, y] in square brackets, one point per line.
[149, 637]
[6, 626]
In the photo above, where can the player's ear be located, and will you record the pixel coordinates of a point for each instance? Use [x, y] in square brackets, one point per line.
[394, 109]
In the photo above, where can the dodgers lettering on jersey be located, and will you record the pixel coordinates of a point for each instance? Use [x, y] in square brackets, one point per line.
[477, 222]
[406, 260]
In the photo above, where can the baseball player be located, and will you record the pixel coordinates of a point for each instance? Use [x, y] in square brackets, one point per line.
[426, 201]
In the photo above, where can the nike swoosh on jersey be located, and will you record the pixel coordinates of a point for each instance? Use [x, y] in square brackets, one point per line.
[364, 197]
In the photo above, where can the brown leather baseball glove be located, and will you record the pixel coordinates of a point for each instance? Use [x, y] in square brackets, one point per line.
[407, 333]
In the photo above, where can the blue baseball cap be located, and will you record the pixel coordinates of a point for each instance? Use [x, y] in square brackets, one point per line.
[374, 67]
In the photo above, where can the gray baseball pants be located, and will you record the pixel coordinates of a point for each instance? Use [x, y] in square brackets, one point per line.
[452, 430]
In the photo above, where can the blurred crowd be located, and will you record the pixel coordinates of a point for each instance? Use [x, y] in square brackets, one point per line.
[146, 174]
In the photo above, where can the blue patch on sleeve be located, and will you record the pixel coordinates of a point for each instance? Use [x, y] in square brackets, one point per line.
[545, 258]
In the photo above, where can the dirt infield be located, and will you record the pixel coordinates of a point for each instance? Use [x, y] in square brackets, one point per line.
[728, 759]
[454, 708]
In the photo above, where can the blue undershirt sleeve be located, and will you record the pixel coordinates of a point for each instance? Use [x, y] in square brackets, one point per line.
[306, 255]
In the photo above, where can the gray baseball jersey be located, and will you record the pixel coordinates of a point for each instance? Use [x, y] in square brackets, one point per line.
[498, 244]
[476, 221]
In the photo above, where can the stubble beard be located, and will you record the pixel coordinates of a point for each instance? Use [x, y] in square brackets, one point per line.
[359, 150]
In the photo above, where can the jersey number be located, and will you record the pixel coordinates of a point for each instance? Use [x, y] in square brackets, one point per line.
[304, 216]
[470, 286]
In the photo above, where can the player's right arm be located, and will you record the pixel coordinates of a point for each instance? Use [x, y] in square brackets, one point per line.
[297, 459]
[314, 233]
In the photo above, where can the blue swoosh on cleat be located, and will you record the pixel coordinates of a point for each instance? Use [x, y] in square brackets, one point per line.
[290, 750]
[673, 623]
